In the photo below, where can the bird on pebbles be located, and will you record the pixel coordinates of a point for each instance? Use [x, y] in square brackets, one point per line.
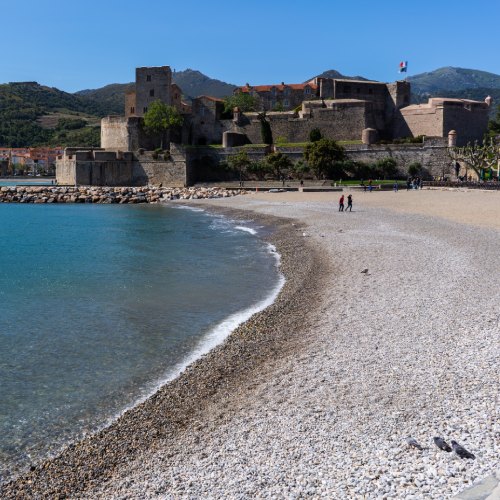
[442, 444]
[461, 452]
[365, 271]
[413, 443]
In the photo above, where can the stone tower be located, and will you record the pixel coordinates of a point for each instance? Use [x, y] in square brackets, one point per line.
[151, 84]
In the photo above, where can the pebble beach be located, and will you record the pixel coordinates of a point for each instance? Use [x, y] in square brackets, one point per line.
[387, 327]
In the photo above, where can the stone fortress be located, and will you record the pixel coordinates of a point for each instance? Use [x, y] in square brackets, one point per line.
[361, 112]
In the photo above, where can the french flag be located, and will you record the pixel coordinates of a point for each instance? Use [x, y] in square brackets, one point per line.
[403, 66]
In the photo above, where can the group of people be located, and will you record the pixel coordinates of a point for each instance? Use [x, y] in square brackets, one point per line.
[414, 183]
[349, 203]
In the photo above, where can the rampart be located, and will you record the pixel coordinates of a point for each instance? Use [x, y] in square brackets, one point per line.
[98, 167]
[432, 154]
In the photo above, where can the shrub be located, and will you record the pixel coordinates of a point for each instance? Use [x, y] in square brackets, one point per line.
[315, 135]
[414, 168]
[387, 167]
[323, 157]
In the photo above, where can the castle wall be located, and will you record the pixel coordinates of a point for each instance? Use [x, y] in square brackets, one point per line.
[205, 121]
[112, 168]
[115, 133]
[432, 155]
[439, 116]
[424, 120]
[125, 134]
[342, 121]
[469, 121]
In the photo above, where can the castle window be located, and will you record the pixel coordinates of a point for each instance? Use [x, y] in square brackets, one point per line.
[144, 110]
[148, 78]
[286, 102]
[307, 90]
[370, 91]
[132, 110]
[152, 92]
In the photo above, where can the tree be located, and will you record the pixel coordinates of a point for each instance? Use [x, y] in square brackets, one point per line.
[323, 157]
[315, 135]
[239, 162]
[478, 156]
[279, 163]
[160, 118]
[414, 168]
[242, 100]
[387, 167]
[259, 169]
[300, 168]
[494, 125]
[265, 129]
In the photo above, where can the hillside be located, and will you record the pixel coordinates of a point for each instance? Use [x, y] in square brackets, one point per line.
[30, 114]
[453, 79]
[111, 97]
[192, 82]
[333, 73]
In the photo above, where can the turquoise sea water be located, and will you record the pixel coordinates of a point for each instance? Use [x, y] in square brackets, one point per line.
[101, 303]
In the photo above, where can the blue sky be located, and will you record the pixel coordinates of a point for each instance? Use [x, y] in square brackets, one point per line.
[75, 45]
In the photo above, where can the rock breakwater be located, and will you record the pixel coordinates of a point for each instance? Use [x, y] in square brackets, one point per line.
[94, 194]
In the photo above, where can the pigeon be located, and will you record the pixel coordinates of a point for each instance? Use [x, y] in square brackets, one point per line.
[412, 442]
[364, 271]
[461, 451]
[442, 444]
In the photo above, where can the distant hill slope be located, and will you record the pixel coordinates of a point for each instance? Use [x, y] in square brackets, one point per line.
[111, 97]
[26, 109]
[193, 84]
[459, 83]
[333, 73]
[453, 79]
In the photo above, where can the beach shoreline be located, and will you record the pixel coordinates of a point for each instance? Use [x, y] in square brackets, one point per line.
[386, 328]
[94, 458]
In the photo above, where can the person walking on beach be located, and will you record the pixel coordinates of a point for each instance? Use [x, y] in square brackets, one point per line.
[341, 204]
[349, 203]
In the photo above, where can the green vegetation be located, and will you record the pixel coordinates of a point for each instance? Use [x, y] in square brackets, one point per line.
[414, 168]
[260, 169]
[279, 164]
[265, 129]
[242, 100]
[315, 135]
[24, 105]
[160, 118]
[239, 162]
[482, 158]
[494, 124]
[325, 158]
[300, 169]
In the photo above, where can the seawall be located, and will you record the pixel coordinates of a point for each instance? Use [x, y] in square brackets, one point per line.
[97, 194]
